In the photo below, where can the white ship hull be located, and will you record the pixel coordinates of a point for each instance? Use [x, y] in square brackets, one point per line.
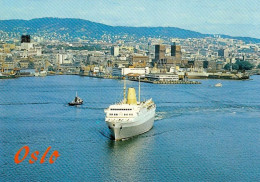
[141, 124]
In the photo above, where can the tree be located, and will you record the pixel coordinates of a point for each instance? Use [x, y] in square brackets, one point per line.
[234, 66]
[258, 66]
[50, 68]
[227, 66]
[244, 65]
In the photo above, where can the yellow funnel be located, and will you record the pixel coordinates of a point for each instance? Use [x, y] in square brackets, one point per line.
[131, 96]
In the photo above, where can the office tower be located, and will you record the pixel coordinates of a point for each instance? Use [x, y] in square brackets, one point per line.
[26, 43]
[176, 51]
[115, 50]
[223, 53]
[160, 52]
[25, 39]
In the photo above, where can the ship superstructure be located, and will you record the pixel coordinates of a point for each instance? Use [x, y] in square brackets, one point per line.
[130, 117]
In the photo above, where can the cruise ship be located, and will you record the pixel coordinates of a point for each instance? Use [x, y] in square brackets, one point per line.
[130, 117]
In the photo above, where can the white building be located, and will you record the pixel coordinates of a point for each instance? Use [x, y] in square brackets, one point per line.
[60, 58]
[63, 59]
[27, 46]
[96, 70]
[115, 50]
[38, 51]
[163, 77]
[140, 71]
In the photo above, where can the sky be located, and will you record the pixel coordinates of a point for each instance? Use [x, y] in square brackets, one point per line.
[230, 17]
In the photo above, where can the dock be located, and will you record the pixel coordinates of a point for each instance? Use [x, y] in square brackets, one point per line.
[168, 82]
[176, 82]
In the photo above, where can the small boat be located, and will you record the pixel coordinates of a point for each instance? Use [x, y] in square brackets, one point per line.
[7, 76]
[76, 101]
[40, 74]
[218, 85]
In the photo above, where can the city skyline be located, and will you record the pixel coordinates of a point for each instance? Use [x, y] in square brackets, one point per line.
[223, 17]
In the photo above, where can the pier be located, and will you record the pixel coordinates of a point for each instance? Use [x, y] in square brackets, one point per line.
[167, 82]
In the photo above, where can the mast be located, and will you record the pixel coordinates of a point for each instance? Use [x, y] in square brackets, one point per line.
[76, 94]
[124, 91]
[139, 91]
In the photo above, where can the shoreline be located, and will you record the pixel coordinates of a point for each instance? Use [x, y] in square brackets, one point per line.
[189, 81]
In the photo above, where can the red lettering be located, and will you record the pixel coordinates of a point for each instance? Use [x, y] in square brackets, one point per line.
[44, 155]
[16, 157]
[34, 157]
[54, 154]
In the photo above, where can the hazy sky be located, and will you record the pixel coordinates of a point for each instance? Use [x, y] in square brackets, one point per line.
[231, 17]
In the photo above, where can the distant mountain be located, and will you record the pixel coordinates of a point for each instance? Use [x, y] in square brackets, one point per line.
[78, 28]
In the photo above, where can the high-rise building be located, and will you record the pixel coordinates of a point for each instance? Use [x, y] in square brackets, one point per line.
[223, 53]
[26, 43]
[25, 39]
[176, 51]
[160, 51]
[115, 50]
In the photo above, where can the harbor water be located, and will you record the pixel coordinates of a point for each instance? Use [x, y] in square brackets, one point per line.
[201, 132]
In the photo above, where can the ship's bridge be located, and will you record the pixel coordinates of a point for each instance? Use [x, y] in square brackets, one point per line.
[121, 111]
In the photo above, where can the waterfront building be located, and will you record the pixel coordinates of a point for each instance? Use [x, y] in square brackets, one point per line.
[139, 61]
[96, 70]
[176, 51]
[166, 58]
[8, 65]
[116, 71]
[160, 51]
[24, 64]
[137, 71]
[162, 77]
[212, 65]
[198, 64]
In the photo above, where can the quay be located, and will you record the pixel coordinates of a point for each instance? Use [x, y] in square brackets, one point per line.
[167, 81]
[176, 82]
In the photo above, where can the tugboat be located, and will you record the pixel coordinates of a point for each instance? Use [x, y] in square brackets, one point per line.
[76, 101]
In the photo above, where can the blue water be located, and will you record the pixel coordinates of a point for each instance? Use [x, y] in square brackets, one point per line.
[201, 132]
